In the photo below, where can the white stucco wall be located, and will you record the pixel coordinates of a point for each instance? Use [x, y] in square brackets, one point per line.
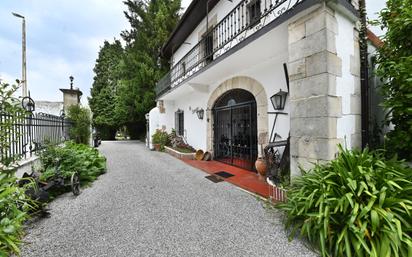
[262, 62]
[53, 108]
[346, 84]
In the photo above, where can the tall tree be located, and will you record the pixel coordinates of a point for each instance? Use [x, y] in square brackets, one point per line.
[103, 93]
[151, 24]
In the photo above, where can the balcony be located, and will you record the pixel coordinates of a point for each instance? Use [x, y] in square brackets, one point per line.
[244, 20]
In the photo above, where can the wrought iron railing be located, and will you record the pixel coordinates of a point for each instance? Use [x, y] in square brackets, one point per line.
[242, 21]
[27, 134]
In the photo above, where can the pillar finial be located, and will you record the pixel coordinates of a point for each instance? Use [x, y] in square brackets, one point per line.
[71, 82]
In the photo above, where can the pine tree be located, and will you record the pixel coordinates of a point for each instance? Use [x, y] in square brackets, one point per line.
[103, 93]
[151, 24]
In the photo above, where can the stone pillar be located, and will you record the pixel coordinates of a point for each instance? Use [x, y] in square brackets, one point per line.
[315, 106]
[70, 97]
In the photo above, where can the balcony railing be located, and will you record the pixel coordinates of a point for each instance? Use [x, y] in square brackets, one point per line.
[242, 21]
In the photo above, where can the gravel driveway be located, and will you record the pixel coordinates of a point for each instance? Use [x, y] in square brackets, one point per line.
[151, 204]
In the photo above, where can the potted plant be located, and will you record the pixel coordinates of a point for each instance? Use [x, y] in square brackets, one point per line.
[159, 139]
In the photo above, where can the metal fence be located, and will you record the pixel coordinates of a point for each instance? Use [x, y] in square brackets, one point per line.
[24, 135]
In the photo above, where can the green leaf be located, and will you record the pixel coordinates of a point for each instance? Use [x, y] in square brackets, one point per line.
[10, 229]
[374, 220]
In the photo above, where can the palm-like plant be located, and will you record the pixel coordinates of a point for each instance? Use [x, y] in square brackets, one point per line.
[356, 205]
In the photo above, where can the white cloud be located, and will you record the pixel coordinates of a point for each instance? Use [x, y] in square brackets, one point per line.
[63, 39]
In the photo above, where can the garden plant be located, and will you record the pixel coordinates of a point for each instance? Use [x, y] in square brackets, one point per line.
[178, 143]
[160, 137]
[70, 157]
[14, 204]
[81, 123]
[356, 205]
[394, 62]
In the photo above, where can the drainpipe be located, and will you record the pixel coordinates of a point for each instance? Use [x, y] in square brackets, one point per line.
[363, 48]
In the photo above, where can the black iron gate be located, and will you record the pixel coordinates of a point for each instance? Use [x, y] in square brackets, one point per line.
[235, 134]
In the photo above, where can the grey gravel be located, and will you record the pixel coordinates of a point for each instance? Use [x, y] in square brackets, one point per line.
[151, 204]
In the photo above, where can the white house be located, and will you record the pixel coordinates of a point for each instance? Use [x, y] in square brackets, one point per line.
[228, 60]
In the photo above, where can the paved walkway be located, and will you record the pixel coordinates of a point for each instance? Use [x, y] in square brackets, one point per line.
[151, 204]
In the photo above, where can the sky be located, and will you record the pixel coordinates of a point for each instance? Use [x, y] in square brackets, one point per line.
[63, 39]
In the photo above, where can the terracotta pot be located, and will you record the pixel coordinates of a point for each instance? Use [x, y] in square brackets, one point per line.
[157, 147]
[199, 155]
[261, 166]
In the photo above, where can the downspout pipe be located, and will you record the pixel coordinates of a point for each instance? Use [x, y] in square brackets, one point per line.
[363, 48]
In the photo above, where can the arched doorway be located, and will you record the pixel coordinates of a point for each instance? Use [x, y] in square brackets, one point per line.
[235, 128]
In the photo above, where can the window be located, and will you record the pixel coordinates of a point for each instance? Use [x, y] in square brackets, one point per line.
[208, 46]
[179, 122]
[254, 12]
[183, 68]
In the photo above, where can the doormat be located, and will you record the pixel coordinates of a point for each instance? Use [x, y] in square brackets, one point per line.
[224, 174]
[214, 179]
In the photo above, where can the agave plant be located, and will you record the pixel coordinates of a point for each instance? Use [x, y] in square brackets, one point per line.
[356, 205]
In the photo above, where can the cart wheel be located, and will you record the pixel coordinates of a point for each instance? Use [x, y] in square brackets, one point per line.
[75, 183]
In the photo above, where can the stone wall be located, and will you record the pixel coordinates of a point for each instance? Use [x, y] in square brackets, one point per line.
[315, 102]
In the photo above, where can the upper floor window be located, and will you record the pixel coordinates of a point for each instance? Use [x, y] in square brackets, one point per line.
[254, 12]
[207, 46]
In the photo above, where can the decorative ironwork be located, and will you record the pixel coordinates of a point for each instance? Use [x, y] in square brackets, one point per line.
[30, 132]
[235, 129]
[28, 104]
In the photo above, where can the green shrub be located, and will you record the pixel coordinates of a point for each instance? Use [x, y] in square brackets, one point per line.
[356, 205]
[14, 208]
[87, 161]
[160, 137]
[394, 67]
[81, 122]
[14, 204]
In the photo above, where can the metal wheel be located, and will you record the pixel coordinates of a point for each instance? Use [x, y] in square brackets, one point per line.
[75, 183]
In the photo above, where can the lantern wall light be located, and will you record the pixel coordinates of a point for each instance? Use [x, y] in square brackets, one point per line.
[279, 99]
[199, 112]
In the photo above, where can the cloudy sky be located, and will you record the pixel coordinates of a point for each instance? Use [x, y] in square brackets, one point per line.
[63, 39]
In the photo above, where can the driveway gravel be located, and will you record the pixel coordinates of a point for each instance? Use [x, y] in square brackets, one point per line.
[151, 204]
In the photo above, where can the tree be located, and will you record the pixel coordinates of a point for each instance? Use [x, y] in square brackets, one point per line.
[395, 68]
[151, 24]
[81, 122]
[103, 92]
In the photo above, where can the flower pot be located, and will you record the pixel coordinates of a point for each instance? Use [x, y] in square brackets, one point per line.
[157, 147]
[199, 155]
[261, 166]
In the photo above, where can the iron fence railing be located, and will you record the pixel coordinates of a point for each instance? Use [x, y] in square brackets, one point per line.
[27, 134]
[243, 20]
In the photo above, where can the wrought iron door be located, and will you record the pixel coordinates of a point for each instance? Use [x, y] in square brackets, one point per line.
[235, 134]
